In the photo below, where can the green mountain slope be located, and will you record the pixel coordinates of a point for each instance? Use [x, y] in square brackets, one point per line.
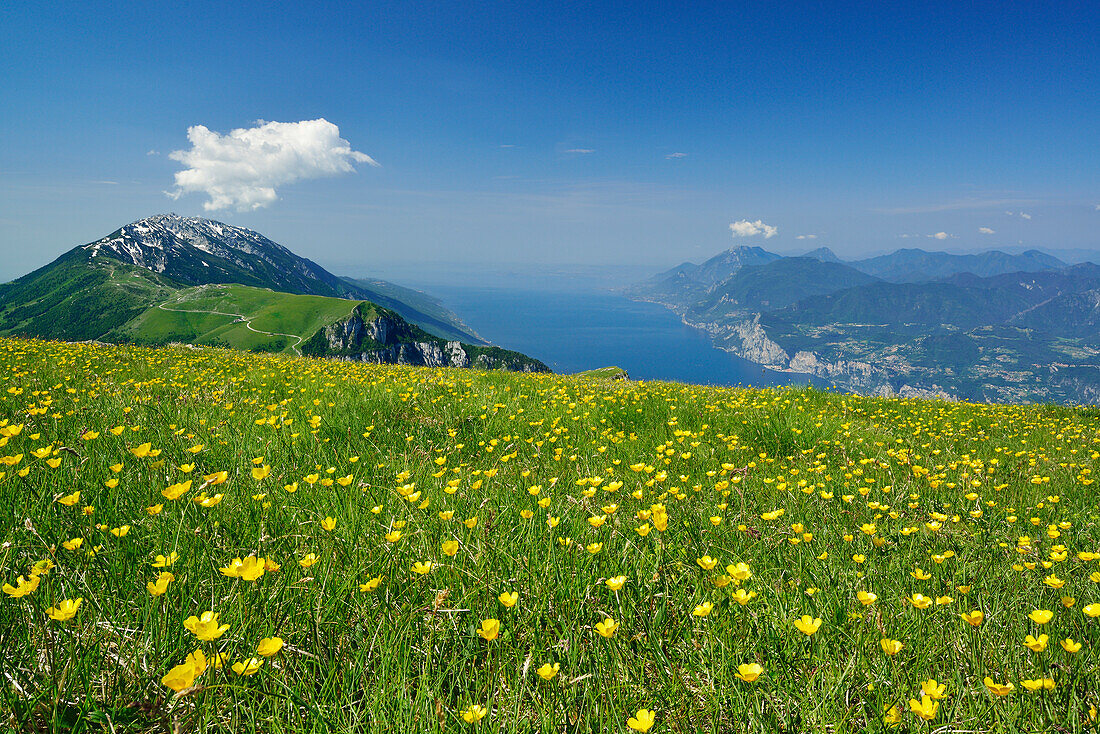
[77, 298]
[236, 316]
[777, 284]
[417, 307]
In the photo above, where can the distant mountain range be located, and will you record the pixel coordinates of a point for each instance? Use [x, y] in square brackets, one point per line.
[992, 326]
[170, 278]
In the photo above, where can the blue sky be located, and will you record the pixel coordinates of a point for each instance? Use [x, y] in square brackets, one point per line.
[603, 135]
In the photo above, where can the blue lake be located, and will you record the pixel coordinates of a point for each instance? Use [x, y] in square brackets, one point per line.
[575, 330]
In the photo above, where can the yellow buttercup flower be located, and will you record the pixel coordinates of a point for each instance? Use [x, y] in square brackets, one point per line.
[615, 582]
[206, 626]
[489, 629]
[998, 689]
[1041, 616]
[508, 599]
[474, 713]
[547, 671]
[973, 618]
[642, 720]
[891, 647]
[64, 611]
[607, 627]
[749, 672]
[807, 625]
[249, 666]
[269, 646]
[703, 609]
[926, 708]
[23, 586]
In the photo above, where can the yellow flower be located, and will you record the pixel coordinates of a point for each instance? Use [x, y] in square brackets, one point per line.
[260, 472]
[607, 627]
[22, 586]
[154, 509]
[174, 491]
[165, 561]
[1041, 616]
[891, 647]
[926, 708]
[998, 689]
[1038, 684]
[920, 601]
[309, 560]
[739, 571]
[642, 720]
[73, 544]
[547, 671]
[748, 672]
[866, 598]
[973, 618]
[703, 609]
[615, 582]
[1092, 610]
[120, 532]
[1070, 646]
[489, 629]
[1053, 582]
[247, 667]
[269, 646]
[64, 611]
[743, 597]
[422, 567]
[474, 713]
[807, 625]
[932, 689]
[180, 677]
[1036, 644]
[371, 585]
[70, 499]
[450, 547]
[205, 627]
[329, 523]
[508, 599]
[158, 587]
[706, 562]
[892, 717]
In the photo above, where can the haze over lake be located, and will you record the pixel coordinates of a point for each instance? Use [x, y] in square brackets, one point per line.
[573, 330]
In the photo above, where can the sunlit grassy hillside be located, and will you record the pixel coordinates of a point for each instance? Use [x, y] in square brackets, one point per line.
[200, 540]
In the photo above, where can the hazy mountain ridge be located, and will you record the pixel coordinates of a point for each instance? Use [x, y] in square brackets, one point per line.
[1011, 335]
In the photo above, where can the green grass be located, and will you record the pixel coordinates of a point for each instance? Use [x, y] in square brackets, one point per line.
[606, 373]
[871, 490]
[267, 311]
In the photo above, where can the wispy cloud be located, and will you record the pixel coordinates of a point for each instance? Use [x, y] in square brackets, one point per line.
[152, 152]
[581, 151]
[106, 183]
[745, 228]
[670, 156]
[806, 237]
[960, 204]
[941, 236]
[243, 168]
[986, 230]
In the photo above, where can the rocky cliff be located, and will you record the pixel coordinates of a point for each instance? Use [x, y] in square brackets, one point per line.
[379, 336]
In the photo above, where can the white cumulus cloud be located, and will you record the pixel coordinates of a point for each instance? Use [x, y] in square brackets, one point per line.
[745, 228]
[940, 235]
[243, 168]
[1025, 215]
[986, 230]
[806, 237]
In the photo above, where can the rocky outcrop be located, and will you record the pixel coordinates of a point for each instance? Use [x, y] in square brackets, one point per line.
[379, 336]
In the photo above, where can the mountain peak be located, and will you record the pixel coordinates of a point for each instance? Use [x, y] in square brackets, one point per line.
[194, 250]
[824, 254]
